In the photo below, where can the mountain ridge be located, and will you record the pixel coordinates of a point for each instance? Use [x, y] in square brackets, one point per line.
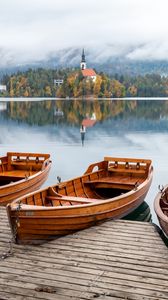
[103, 62]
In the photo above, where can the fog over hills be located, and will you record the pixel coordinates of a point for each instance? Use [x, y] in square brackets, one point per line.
[123, 36]
[107, 59]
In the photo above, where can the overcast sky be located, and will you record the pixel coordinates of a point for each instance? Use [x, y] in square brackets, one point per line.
[32, 29]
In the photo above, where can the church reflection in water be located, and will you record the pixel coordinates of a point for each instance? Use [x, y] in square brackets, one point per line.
[88, 114]
[82, 132]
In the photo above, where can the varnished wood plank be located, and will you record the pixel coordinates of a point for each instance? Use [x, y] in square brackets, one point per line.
[134, 160]
[22, 177]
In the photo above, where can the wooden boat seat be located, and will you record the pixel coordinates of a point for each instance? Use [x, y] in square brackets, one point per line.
[84, 194]
[49, 200]
[26, 163]
[124, 170]
[115, 182]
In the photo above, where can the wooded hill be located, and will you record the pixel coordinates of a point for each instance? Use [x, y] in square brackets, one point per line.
[40, 83]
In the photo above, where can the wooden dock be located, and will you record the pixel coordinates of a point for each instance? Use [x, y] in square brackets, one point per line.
[116, 260]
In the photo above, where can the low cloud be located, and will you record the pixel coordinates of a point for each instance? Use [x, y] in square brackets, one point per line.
[34, 30]
[150, 51]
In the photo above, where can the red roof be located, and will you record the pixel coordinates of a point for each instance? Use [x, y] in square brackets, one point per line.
[88, 72]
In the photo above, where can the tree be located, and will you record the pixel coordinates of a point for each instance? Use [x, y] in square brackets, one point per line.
[48, 91]
[97, 86]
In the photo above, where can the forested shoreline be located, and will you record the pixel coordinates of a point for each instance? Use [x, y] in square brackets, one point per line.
[40, 83]
[73, 112]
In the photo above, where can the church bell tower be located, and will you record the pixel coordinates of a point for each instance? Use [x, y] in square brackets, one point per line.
[83, 61]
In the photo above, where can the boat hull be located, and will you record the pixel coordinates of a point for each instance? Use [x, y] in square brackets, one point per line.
[109, 189]
[14, 190]
[36, 226]
[161, 209]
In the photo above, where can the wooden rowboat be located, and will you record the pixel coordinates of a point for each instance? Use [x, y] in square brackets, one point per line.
[22, 173]
[161, 209]
[108, 189]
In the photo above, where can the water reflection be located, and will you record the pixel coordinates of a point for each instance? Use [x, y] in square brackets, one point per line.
[88, 113]
[82, 132]
[110, 127]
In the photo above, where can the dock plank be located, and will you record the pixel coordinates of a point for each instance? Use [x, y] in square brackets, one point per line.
[113, 261]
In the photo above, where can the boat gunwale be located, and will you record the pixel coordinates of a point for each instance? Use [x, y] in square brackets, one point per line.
[158, 210]
[72, 216]
[44, 167]
[69, 207]
[21, 180]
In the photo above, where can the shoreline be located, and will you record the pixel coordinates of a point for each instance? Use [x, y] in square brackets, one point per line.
[8, 99]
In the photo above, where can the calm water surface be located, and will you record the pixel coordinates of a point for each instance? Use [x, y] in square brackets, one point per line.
[124, 128]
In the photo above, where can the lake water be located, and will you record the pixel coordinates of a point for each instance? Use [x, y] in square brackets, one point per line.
[120, 128]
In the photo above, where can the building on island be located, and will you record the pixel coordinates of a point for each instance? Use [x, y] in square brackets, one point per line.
[87, 73]
[58, 82]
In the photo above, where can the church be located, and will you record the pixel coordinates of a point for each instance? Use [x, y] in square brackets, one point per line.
[87, 73]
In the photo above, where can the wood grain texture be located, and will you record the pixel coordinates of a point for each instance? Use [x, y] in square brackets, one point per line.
[105, 191]
[22, 173]
[113, 261]
[161, 209]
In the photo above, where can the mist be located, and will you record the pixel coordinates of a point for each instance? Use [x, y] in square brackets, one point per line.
[32, 31]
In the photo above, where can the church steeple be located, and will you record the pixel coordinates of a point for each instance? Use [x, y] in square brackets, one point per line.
[83, 56]
[83, 61]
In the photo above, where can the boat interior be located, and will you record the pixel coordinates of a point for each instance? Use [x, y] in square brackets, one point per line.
[16, 166]
[101, 181]
[164, 202]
